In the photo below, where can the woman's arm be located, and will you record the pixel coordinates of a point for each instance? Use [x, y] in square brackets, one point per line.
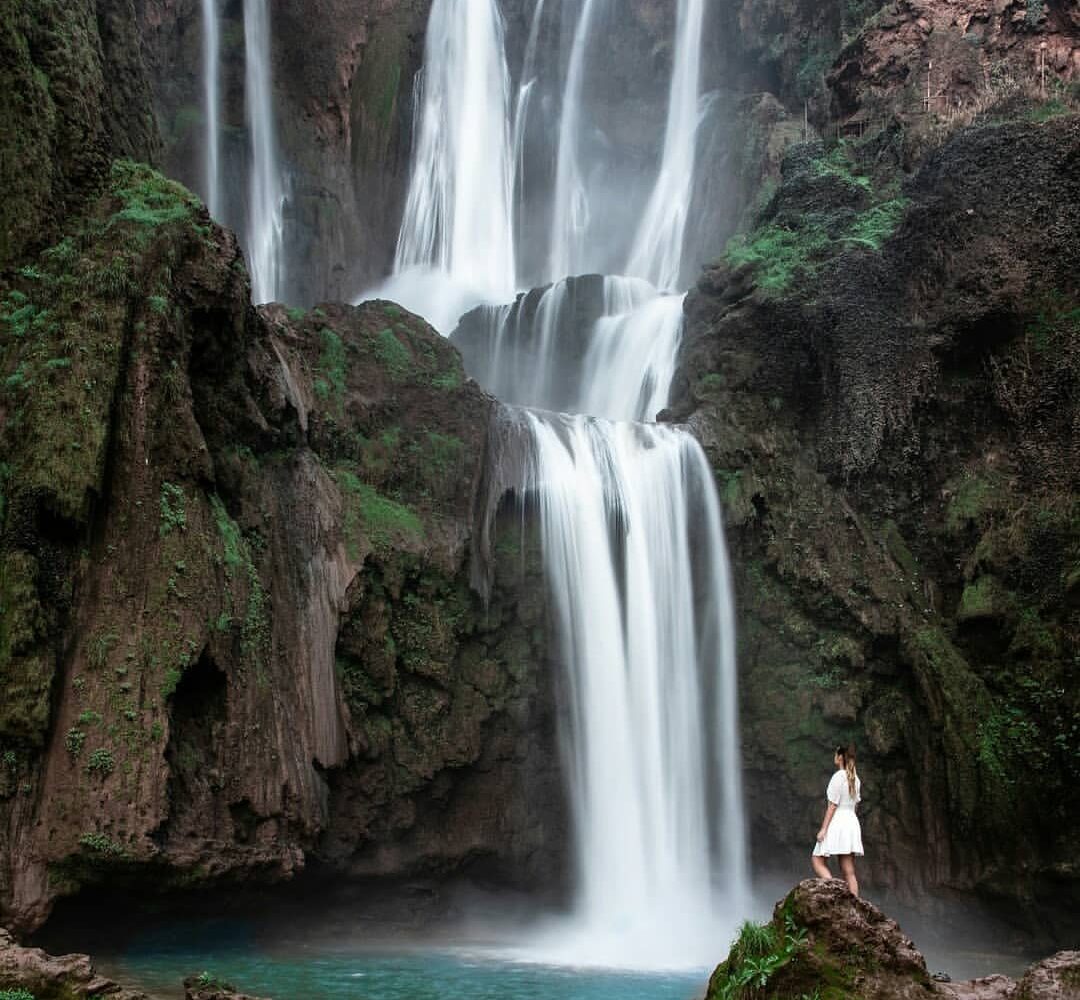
[826, 821]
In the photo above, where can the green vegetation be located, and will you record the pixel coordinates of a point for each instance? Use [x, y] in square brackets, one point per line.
[330, 383]
[148, 199]
[392, 354]
[756, 955]
[173, 515]
[837, 163]
[793, 244]
[984, 598]
[100, 844]
[101, 762]
[777, 253]
[873, 227]
[74, 740]
[231, 540]
[16, 995]
[385, 522]
[971, 499]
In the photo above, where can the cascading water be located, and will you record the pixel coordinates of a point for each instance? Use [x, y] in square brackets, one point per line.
[634, 553]
[456, 244]
[630, 523]
[570, 215]
[266, 193]
[658, 249]
[211, 51]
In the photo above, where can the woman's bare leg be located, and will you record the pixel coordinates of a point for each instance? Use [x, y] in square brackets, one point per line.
[821, 869]
[847, 866]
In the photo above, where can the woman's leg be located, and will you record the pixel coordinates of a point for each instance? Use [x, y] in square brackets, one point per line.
[821, 869]
[847, 866]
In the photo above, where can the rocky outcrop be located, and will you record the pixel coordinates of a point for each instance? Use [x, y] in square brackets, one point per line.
[207, 987]
[901, 501]
[45, 977]
[967, 54]
[239, 629]
[823, 941]
[75, 97]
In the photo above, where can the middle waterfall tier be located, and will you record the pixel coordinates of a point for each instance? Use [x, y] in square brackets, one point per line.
[602, 345]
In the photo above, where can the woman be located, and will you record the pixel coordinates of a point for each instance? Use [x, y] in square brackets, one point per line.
[840, 834]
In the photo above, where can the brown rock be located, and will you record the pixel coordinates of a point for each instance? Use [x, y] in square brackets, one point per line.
[984, 988]
[45, 975]
[206, 987]
[1054, 978]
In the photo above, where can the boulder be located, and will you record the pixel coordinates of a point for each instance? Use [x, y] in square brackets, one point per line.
[824, 941]
[49, 977]
[207, 987]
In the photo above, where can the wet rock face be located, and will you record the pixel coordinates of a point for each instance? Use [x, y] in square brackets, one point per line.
[901, 510]
[75, 97]
[240, 628]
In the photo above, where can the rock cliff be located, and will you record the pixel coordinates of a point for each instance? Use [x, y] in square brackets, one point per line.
[885, 376]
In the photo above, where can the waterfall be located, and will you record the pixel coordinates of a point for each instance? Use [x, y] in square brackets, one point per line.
[658, 248]
[632, 352]
[457, 230]
[638, 573]
[631, 527]
[570, 215]
[211, 99]
[266, 195]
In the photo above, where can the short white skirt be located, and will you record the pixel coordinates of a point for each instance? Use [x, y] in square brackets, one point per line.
[844, 835]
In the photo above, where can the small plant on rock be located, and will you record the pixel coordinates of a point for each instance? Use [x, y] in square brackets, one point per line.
[101, 762]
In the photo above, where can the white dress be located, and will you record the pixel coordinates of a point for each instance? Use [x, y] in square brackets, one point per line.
[844, 835]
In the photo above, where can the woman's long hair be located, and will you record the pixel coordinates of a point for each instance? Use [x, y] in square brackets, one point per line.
[847, 758]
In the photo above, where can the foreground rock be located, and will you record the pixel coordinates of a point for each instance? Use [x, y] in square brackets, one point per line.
[54, 978]
[823, 941]
[206, 987]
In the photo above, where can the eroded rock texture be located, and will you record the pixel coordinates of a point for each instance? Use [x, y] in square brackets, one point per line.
[891, 409]
[238, 625]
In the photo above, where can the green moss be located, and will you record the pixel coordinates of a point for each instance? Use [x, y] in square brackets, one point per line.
[330, 383]
[16, 995]
[231, 540]
[972, 498]
[98, 843]
[383, 521]
[74, 741]
[100, 762]
[874, 226]
[837, 163]
[173, 515]
[985, 598]
[392, 354]
[777, 253]
[148, 199]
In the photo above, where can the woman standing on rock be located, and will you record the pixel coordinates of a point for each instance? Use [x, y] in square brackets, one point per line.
[840, 834]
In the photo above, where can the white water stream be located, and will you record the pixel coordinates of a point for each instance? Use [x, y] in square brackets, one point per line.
[266, 193]
[630, 522]
[211, 55]
[658, 250]
[456, 244]
[570, 214]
